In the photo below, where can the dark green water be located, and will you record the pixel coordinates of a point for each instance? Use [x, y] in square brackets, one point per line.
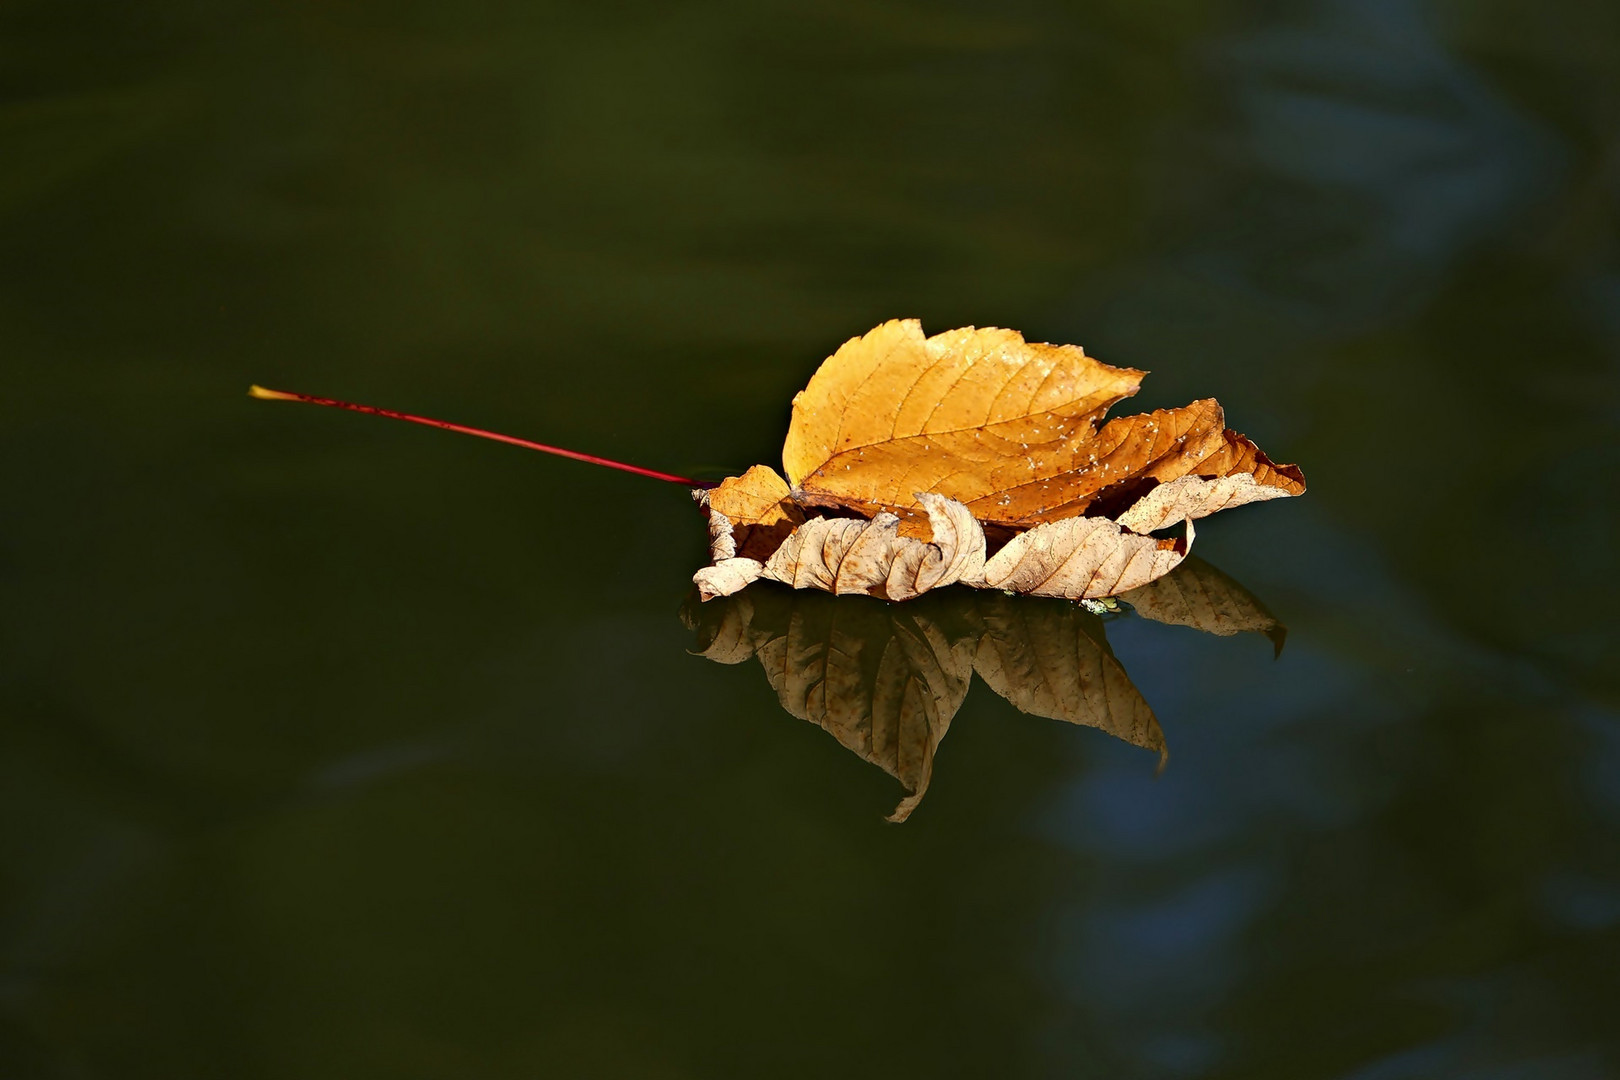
[337, 748]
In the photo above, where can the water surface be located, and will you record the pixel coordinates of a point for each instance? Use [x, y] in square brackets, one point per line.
[336, 748]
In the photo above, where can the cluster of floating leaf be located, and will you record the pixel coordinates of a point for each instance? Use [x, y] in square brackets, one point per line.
[895, 484]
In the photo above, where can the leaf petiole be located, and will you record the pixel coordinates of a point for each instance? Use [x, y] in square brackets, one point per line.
[283, 395]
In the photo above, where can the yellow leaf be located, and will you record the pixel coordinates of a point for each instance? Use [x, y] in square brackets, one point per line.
[756, 497]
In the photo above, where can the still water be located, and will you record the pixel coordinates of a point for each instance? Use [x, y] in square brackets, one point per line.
[336, 748]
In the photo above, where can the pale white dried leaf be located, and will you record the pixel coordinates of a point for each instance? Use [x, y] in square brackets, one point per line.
[1081, 558]
[850, 555]
[956, 552]
[1195, 497]
[722, 542]
[837, 555]
[727, 576]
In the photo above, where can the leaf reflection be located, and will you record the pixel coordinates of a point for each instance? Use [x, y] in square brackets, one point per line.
[885, 679]
[1198, 595]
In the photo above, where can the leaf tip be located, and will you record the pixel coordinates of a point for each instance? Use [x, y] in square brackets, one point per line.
[1277, 635]
[261, 393]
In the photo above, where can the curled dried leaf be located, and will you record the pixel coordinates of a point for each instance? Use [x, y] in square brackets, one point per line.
[1074, 558]
[1194, 497]
[728, 573]
[1082, 558]
[727, 576]
[850, 555]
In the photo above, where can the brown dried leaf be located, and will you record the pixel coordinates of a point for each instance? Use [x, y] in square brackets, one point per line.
[727, 577]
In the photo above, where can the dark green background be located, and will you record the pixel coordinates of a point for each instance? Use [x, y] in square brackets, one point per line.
[337, 748]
